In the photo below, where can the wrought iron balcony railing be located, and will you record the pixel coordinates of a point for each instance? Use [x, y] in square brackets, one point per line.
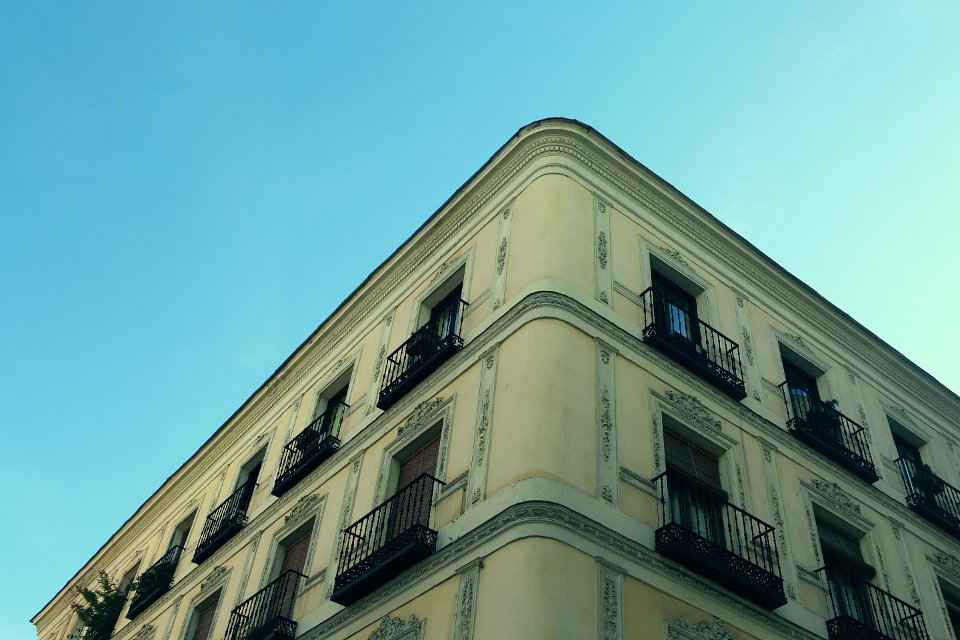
[720, 541]
[828, 431]
[309, 448]
[931, 496]
[225, 521]
[862, 611]
[267, 614]
[154, 582]
[385, 542]
[701, 348]
[422, 353]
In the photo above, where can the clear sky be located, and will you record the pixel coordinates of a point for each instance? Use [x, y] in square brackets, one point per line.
[188, 189]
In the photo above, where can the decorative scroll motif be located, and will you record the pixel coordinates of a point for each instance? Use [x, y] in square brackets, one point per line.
[489, 361]
[675, 255]
[950, 565]
[399, 629]
[606, 424]
[506, 213]
[422, 414]
[602, 250]
[303, 507]
[693, 408]
[146, 632]
[216, 576]
[442, 270]
[604, 297]
[747, 345]
[605, 356]
[602, 207]
[610, 606]
[680, 629]
[467, 600]
[740, 301]
[832, 492]
[483, 427]
[477, 479]
[502, 255]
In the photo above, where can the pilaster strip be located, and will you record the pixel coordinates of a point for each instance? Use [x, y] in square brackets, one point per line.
[904, 556]
[608, 469]
[465, 615]
[748, 357]
[610, 601]
[603, 267]
[346, 509]
[247, 568]
[499, 286]
[292, 421]
[373, 390]
[858, 396]
[172, 618]
[477, 480]
[788, 568]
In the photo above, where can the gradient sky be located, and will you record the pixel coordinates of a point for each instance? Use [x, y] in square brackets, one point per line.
[188, 189]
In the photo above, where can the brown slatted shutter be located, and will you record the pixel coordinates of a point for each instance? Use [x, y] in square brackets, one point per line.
[691, 461]
[295, 557]
[840, 548]
[423, 461]
[204, 620]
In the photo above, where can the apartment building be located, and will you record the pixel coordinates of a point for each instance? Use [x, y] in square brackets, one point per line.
[572, 405]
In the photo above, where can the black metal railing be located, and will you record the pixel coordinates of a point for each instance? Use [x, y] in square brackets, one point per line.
[423, 352]
[309, 448]
[386, 541]
[824, 428]
[224, 521]
[701, 348]
[862, 611]
[154, 582]
[699, 528]
[931, 496]
[267, 614]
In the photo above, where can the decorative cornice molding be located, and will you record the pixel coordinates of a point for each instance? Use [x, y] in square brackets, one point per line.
[949, 565]
[423, 415]
[215, 578]
[681, 629]
[303, 508]
[584, 526]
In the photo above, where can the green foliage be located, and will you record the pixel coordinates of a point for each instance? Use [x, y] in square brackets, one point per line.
[101, 606]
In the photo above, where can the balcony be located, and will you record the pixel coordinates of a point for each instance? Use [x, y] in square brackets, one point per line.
[267, 614]
[386, 542]
[862, 611]
[429, 347]
[154, 582]
[828, 431]
[307, 450]
[702, 349]
[224, 522]
[720, 541]
[930, 496]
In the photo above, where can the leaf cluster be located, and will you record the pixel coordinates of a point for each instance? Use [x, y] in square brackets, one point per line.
[101, 605]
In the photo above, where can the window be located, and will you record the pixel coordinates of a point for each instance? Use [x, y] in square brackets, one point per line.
[802, 385]
[182, 532]
[201, 622]
[847, 575]
[951, 598]
[677, 309]
[250, 470]
[695, 495]
[331, 406]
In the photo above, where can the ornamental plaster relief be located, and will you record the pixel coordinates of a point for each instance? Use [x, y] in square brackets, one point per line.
[681, 629]
[608, 475]
[465, 613]
[399, 629]
[603, 274]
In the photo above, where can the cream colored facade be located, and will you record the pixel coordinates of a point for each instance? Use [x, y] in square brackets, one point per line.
[551, 421]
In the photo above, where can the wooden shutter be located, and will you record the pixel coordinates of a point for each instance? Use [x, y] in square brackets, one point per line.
[691, 461]
[295, 557]
[840, 548]
[423, 461]
[204, 620]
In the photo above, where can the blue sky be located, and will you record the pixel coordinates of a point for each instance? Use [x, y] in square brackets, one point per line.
[188, 189]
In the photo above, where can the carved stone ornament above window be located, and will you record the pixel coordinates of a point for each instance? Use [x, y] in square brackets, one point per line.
[422, 414]
[832, 492]
[680, 629]
[303, 507]
[146, 632]
[950, 565]
[676, 257]
[399, 629]
[692, 408]
[216, 577]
